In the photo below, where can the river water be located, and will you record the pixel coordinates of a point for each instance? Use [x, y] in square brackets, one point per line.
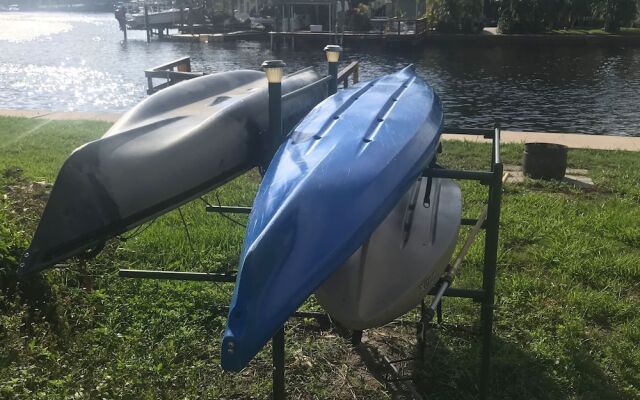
[78, 62]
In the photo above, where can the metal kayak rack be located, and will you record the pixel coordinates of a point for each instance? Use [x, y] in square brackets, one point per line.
[489, 221]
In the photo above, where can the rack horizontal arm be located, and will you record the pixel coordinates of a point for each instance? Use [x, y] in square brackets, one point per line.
[177, 275]
[474, 294]
[229, 209]
[454, 130]
[482, 176]
[317, 315]
[472, 221]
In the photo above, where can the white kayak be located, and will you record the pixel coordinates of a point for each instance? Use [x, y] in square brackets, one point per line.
[400, 263]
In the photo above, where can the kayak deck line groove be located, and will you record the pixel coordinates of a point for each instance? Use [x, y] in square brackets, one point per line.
[172, 147]
[337, 114]
[384, 112]
[320, 200]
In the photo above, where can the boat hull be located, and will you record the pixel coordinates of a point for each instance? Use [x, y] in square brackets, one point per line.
[400, 263]
[171, 148]
[167, 17]
[342, 170]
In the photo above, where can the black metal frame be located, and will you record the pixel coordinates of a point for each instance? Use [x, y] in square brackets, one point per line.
[490, 222]
[486, 295]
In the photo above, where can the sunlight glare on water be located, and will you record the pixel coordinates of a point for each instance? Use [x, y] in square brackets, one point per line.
[22, 31]
[22, 27]
[33, 82]
[79, 62]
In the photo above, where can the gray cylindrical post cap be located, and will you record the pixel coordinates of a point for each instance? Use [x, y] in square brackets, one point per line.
[333, 53]
[274, 70]
[273, 64]
[333, 47]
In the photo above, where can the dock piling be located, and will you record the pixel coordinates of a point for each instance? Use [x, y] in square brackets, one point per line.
[146, 22]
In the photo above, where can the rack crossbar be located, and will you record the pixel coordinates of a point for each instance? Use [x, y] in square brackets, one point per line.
[306, 87]
[178, 275]
[474, 294]
[454, 130]
[228, 209]
[482, 176]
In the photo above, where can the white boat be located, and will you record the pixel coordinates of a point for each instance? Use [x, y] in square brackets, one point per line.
[165, 17]
[400, 263]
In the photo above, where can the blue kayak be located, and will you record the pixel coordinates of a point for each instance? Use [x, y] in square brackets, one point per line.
[335, 179]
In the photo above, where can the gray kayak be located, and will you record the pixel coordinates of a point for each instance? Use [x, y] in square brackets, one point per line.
[400, 263]
[169, 149]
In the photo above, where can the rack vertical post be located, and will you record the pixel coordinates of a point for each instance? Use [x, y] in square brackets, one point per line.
[491, 224]
[490, 264]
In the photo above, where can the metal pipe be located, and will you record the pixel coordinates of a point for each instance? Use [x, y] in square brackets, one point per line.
[450, 273]
[489, 273]
[274, 69]
[178, 275]
[306, 87]
[481, 176]
[399, 377]
[333, 56]
[496, 144]
[318, 316]
[452, 270]
[473, 294]
[333, 73]
[275, 109]
[229, 209]
[356, 338]
[277, 348]
[146, 22]
[453, 130]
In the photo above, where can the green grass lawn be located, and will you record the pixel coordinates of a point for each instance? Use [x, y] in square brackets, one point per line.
[568, 296]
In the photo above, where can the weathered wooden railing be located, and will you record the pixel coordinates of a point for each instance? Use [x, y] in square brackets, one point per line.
[421, 26]
[352, 70]
[174, 72]
[180, 70]
[400, 26]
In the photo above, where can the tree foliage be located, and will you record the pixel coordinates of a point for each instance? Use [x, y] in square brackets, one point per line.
[531, 16]
[455, 15]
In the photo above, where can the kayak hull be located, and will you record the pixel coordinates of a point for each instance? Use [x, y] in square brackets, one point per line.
[328, 187]
[400, 263]
[171, 148]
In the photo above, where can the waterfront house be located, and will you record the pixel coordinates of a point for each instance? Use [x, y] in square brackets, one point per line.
[342, 15]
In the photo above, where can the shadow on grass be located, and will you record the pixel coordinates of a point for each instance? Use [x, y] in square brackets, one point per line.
[451, 363]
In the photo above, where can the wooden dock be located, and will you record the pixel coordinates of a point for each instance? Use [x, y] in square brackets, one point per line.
[391, 31]
[218, 37]
[351, 39]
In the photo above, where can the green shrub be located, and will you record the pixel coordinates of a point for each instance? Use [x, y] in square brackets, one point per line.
[450, 16]
[615, 13]
[528, 16]
[534, 16]
[359, 20]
